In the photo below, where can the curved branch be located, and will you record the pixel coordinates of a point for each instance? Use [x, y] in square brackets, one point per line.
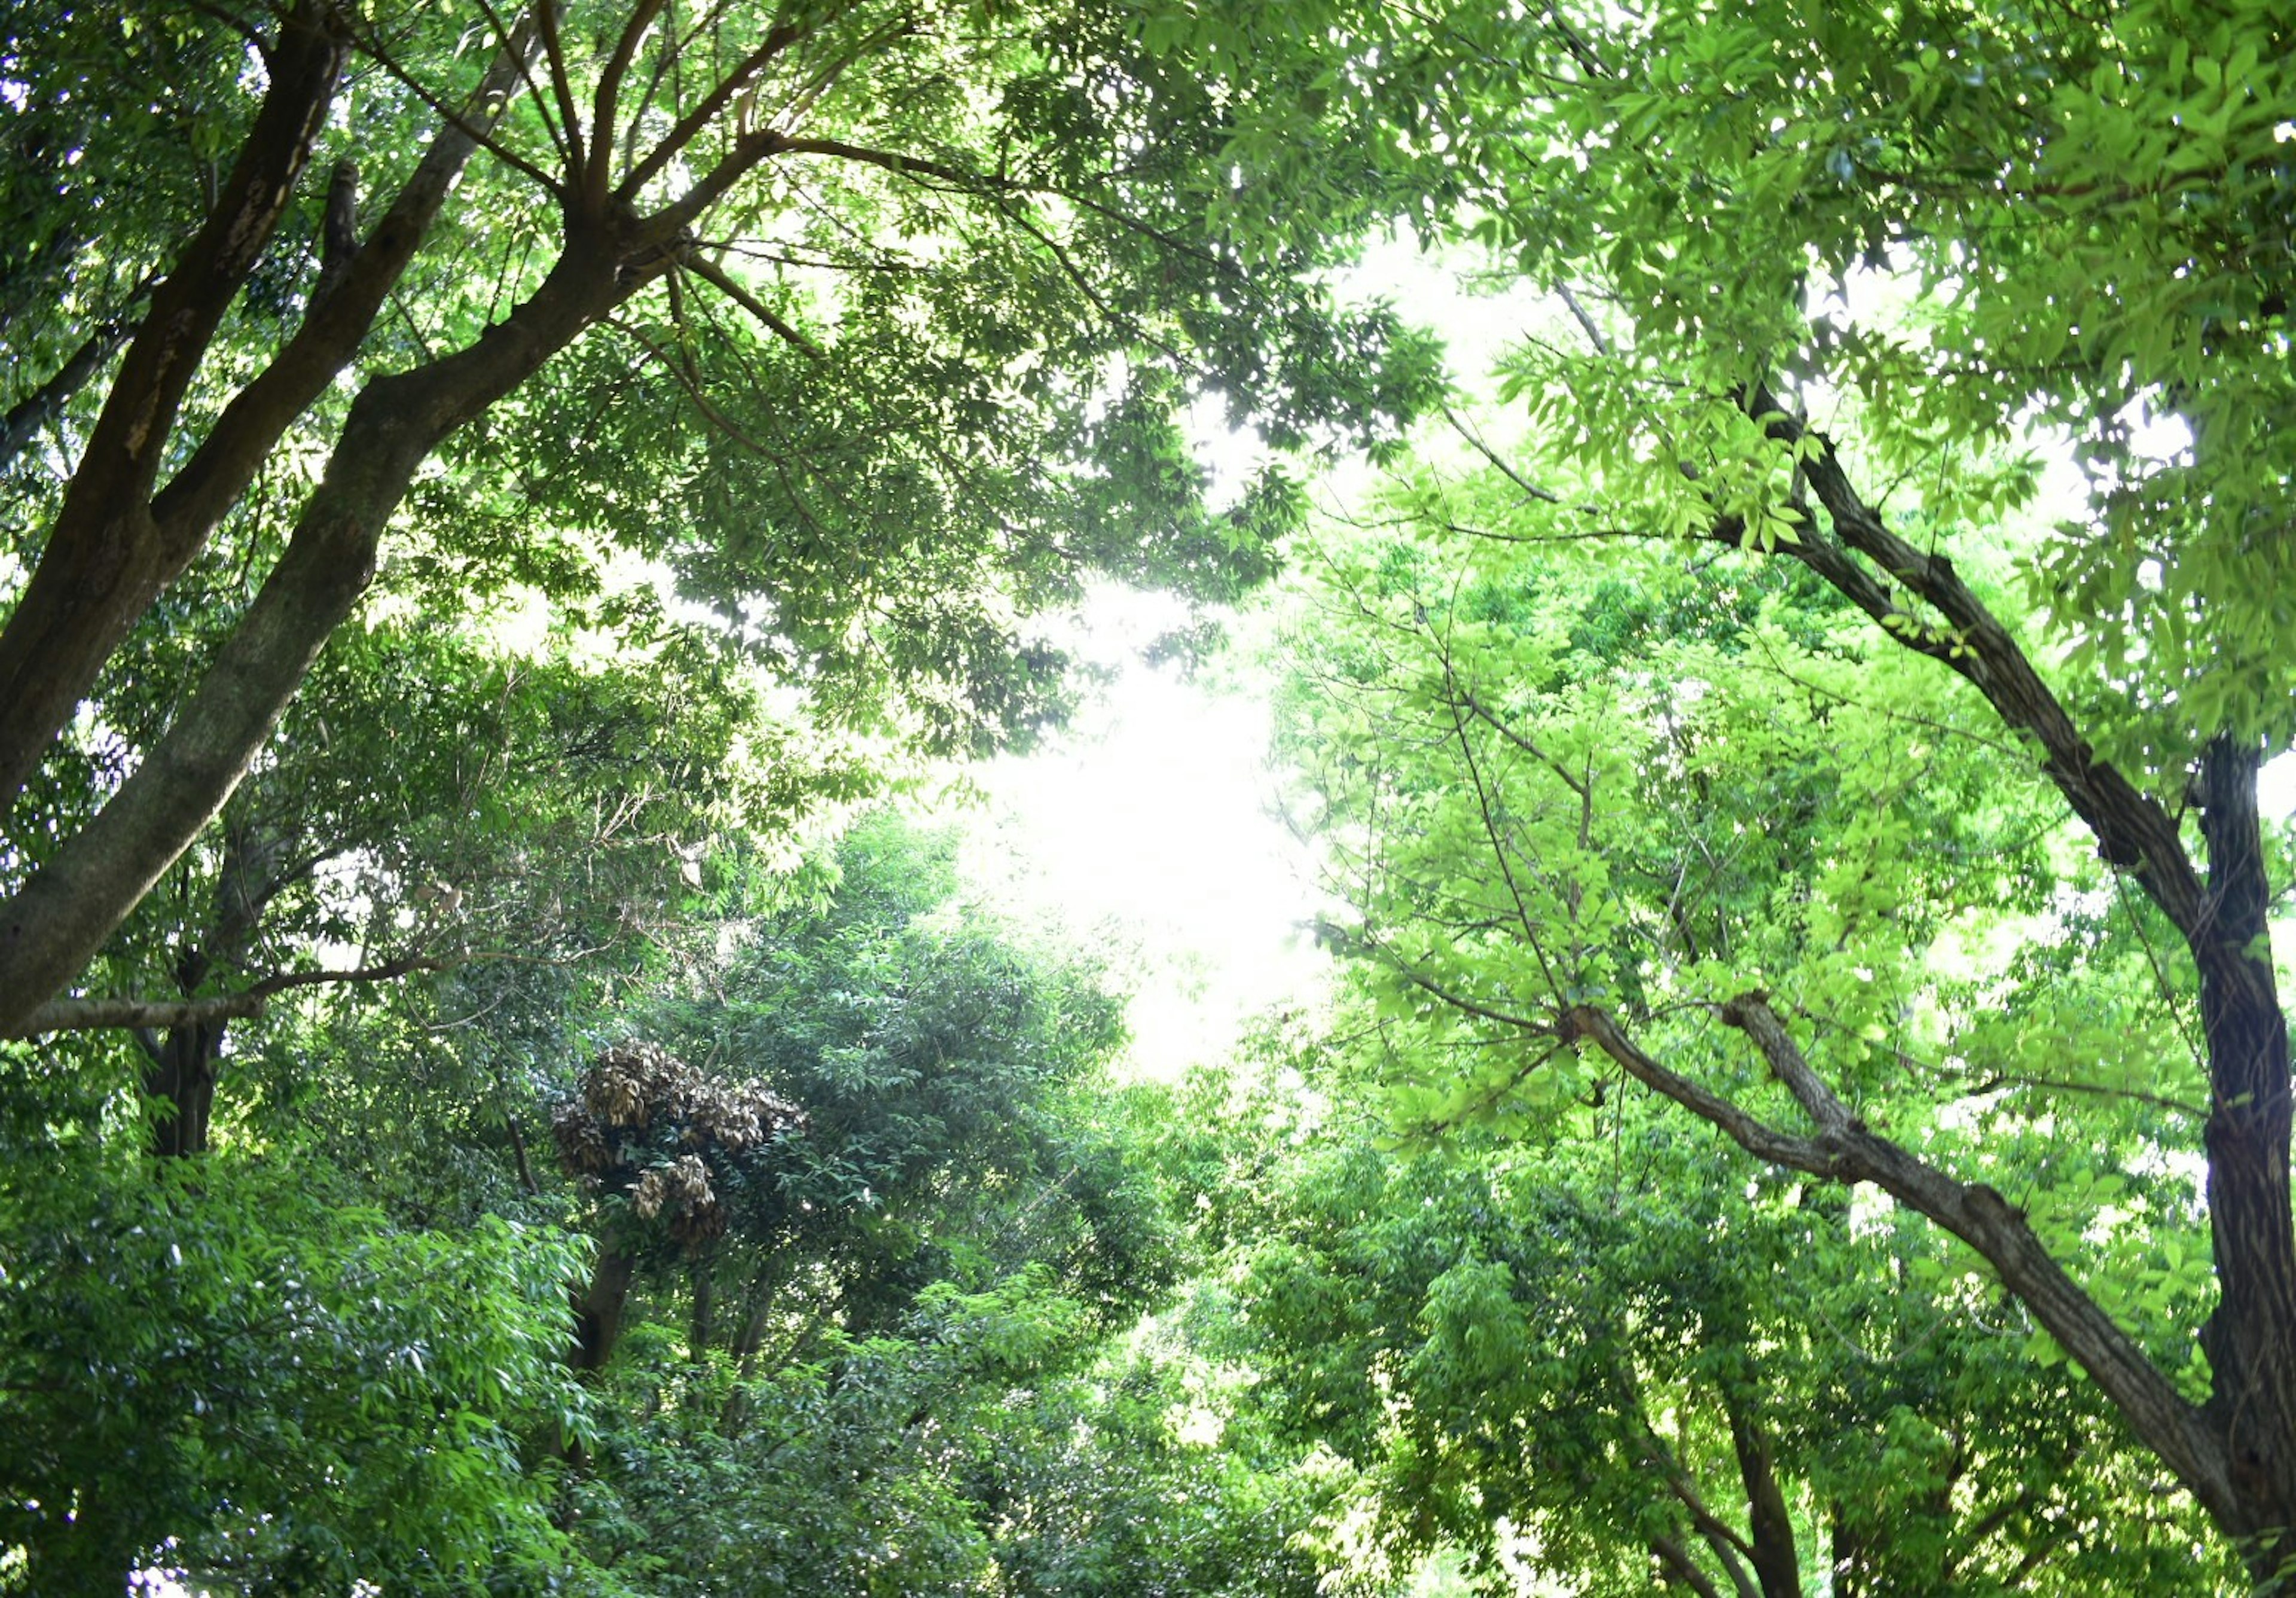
[1844, 1150]
[2131, 827]
[97, 1015]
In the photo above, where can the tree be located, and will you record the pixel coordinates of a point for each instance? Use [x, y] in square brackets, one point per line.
[1623, 1370]
[903, 309]
[862, 1312]
[432, 804]
[257, 1379]
[1821, 274]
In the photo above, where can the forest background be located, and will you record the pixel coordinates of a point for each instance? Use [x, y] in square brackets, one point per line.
[499, 502]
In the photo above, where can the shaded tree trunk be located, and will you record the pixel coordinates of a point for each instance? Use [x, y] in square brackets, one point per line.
[1777, 1564]
[598, 1308]
[2236, 1454]
[58, 920]
[183, 1070]
[2251, 1339]
[1852, 1553]
[108, 556]
[702, 1328]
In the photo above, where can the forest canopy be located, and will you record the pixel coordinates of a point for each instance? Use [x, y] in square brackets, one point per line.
[491, 500]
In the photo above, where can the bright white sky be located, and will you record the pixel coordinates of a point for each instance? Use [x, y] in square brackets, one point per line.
[1150, 831]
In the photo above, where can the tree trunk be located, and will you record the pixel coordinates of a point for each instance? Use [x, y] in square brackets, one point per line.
[1676, 1569]
[701, 1329]
[2251, 1339]
[58, 920]
[1852, 1554]
[183, 1071]
[1777, 1564]
[598, 1312]
[115, 545]
[2238, 1455]
[107, 557]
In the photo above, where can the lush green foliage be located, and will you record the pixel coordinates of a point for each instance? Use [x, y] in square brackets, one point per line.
[253, 1374]
[1744, 729]
[1599, 1357]
[448, 599]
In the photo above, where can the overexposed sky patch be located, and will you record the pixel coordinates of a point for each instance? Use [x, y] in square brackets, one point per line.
[1148, 831]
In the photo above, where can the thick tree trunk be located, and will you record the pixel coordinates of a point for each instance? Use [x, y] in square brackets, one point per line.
[115, 545]
[598, 1312]
[1777, 1564]
[58, 920]
[183, 1071]
[108, 557]
[2251, 1339]
[2238, 1455]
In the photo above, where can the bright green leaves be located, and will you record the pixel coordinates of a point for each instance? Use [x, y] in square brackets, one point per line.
[1571, 1340]
[262, 1380]
[1954, 230]
[1555, 776]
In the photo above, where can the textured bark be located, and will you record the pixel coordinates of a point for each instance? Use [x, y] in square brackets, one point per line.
[116, 545]
[1845, 1150]
[2248, 1478]
[108, 557]
[2251, 1339]
[55, 923]
[598, 1312]
[1778, 1563]
[71, 616]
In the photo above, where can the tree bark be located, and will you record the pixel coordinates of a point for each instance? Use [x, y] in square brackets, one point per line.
[1845, 1150]
[57, 921]
[183, 1071]
[1677, 1569]
[107, 557]
[2248, 1483]
[2250, 1337]
[702, 1327]
[1852, 1553]
[1778, 1563]
[115, 545]
[598, 1312]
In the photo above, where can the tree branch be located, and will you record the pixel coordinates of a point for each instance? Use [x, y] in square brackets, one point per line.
[606, 101]
[95, 1015]
[249, 427]
[105, 560]
[29, 414]
[719, 278]
[1846, 1151]
[1674, 1560]
[2131, 828]
[690, 125]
